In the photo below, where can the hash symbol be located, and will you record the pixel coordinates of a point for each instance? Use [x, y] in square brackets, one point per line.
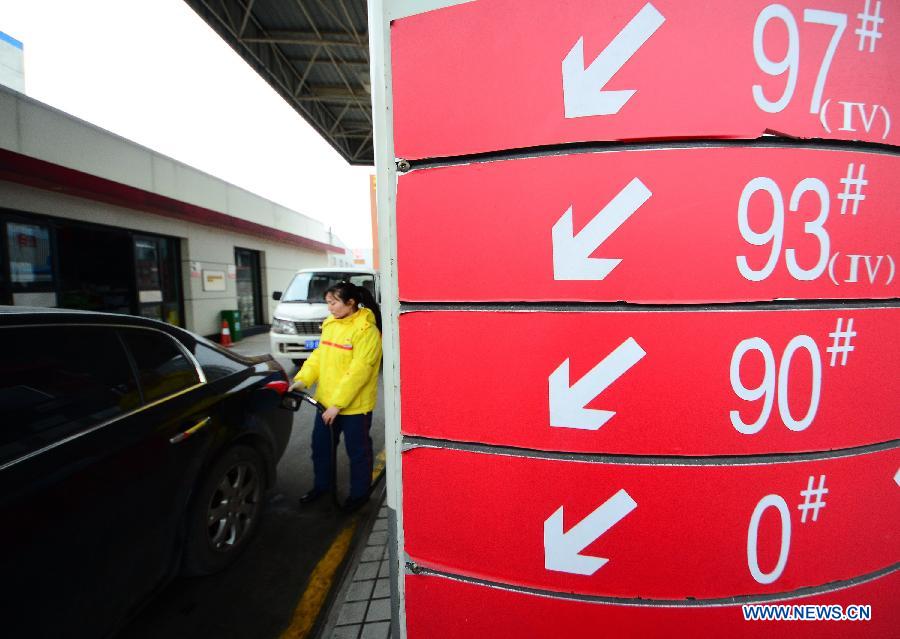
[808, 504]
[838, 335]
[868, 26]
[850, 182]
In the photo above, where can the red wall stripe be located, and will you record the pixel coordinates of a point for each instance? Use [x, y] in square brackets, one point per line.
[15, 167]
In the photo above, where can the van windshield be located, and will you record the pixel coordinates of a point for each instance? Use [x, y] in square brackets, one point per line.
[311, 287]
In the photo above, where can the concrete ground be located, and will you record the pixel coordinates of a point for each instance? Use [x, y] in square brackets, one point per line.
[258, 596]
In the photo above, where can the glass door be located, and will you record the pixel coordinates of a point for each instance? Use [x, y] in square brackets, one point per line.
[249, 287]
[156, 270]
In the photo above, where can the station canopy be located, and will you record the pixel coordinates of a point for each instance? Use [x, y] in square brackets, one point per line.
[314, 53]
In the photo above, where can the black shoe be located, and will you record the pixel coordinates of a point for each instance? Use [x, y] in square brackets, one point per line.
[311, 496]
[355, 503]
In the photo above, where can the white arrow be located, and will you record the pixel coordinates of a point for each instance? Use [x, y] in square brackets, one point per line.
[582, 94]
[897, 478]
[567, 403]
[572, 253]
[561, 550]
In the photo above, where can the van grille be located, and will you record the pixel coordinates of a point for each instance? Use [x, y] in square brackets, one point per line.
[308, 328]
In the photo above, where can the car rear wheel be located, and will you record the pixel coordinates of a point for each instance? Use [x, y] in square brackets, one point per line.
[225, 511]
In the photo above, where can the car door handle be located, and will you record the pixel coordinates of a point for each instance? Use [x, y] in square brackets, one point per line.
[180, 437]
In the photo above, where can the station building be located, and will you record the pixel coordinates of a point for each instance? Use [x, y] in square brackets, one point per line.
[90, 220]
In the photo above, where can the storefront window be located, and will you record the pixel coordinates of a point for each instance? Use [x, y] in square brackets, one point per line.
[30, 260]
[156, 271]
[70, 264]
[146, 255]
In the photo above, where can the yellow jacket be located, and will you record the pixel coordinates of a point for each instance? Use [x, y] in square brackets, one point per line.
[346, 363]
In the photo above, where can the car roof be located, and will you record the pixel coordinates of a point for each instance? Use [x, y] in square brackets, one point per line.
[33, 315]
[21, 316]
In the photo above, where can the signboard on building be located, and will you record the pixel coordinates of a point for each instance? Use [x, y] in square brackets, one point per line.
[213, 280]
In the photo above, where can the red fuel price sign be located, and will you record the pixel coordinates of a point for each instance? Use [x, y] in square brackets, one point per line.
[654, 382]
[440, 607]
[651, 531]
[675, 225]
[505, 74]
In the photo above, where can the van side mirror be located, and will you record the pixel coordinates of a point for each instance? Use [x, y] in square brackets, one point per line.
[276, 295]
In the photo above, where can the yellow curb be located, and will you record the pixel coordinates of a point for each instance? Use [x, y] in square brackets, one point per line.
[322, 578]
[379, 464]
[320, 583]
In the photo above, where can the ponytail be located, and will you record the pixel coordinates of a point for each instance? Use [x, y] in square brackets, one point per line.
[368, 301]
[346, 291]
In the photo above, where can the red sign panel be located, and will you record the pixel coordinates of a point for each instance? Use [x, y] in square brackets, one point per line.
[439, 607]
[651, 531]
[675, 225]
[503, 74]
[653, 382]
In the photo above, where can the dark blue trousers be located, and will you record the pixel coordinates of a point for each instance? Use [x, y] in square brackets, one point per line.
[359, 449]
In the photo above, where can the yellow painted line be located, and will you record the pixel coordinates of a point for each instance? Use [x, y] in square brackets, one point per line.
[379, 464]
[322, 578]
[319, 585]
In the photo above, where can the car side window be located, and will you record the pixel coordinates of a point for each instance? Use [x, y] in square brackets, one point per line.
[162, 368]
[56, 381]
[216, 364]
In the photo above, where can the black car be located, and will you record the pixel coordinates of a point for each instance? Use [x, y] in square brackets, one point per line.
[130, 451]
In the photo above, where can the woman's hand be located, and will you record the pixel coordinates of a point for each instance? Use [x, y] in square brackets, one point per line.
[297, 386]
[329, 415]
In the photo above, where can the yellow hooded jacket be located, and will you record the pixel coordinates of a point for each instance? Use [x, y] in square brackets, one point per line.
[346, 363]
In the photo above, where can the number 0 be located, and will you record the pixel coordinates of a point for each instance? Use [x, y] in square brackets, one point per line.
[753, 533]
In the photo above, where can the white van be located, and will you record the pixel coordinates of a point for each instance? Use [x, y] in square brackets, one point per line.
[297, 320]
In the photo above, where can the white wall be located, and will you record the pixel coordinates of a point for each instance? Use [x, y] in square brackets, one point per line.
[37, 130]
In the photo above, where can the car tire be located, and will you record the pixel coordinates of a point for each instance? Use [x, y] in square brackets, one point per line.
[225, 511]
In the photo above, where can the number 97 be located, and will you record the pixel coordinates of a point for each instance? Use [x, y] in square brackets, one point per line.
[791, 60]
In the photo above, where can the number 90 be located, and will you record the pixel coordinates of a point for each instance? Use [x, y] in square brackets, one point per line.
[767, 387]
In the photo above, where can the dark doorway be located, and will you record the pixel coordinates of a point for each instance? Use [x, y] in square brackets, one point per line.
[95, 268]
[249, 287]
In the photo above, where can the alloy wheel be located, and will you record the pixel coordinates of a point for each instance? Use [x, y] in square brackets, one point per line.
[234, 506]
